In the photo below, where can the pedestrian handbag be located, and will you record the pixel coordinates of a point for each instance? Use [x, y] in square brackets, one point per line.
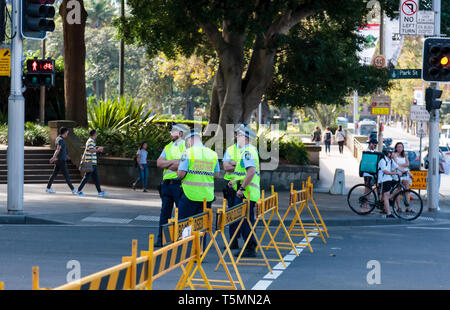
[85, 166]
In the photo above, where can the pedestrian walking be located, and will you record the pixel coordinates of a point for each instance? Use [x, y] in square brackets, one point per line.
[142, 167]
[340, 138]
[91, 151]
[327, 135]
[230, 159]
[170, 189]
[59, 158]
[198, 168]
[317, 136]
[247, 183]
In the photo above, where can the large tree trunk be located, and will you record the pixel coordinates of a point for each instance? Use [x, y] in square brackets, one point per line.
[74, 61]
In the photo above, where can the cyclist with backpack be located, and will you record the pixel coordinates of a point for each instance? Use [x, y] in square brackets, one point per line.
[327, 139]
[387, 168]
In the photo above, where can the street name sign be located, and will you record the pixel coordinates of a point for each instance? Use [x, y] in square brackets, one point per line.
[405, 73]
[380, 105]
[419, 113]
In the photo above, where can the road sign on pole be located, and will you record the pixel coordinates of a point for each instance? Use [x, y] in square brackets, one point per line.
[405, 73]
[421, 129]
[380, 105]
[408, 17]
[419, 113]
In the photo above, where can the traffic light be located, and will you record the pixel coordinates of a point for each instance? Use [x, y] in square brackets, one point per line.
[436, 60]
[36, 18]
[431, 96]
[40, 72]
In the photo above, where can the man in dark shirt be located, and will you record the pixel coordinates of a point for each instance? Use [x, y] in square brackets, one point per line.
[59, 159]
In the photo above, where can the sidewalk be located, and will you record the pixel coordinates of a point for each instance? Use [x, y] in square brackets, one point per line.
[127, 207]
[329, 164]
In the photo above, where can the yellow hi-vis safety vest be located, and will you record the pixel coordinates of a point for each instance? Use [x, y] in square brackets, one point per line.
[199, 180]
[172, 152]
[241, 172]
[235, 155]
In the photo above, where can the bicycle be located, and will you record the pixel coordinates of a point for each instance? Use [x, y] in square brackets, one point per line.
[363, 199]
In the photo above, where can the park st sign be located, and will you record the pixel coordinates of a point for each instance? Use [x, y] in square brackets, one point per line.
[405, 73]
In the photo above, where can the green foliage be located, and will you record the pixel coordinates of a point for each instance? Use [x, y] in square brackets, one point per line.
[123, 114]
[293, 151]
[122, 125]
[34, 134]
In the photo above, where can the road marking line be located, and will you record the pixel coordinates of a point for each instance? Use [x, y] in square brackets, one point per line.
[262, 285]
[437, 228]
[273, 275]
[150, 218]
[106, 220]
[280, 266]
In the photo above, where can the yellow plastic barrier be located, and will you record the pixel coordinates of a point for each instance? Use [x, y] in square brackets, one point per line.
[202, 222]
[140, 272]
[2, 286]
[270, 204]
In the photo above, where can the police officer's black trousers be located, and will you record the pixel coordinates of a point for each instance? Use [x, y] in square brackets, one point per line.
[170, 194]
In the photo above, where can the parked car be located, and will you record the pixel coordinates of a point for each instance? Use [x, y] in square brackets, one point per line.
[446, 151]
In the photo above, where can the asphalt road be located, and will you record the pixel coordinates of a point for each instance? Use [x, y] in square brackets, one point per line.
[413, 256]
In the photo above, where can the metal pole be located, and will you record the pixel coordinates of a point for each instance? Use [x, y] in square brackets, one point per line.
[380, 133]
[16, 117]
[42, 99]
[355, 110]
[122, 55]
[433, 153]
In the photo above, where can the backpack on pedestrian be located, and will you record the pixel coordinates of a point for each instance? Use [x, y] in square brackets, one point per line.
[328, 136]
[369, 163]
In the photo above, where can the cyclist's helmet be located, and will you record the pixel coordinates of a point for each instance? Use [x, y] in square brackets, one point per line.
[387, 150]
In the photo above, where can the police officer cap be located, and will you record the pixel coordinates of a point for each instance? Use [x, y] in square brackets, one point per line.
[193, 132]
[245, 130]
[239, 127]
[180, 127]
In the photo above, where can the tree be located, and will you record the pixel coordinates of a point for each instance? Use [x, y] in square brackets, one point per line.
[74, 23]
[244, 37]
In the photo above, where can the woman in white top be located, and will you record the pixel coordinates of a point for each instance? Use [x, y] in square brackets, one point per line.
[340, 138]
[402, 162]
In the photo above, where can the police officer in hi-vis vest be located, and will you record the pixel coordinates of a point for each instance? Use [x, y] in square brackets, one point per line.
[198, 168]
[246, 182]
[170, 188]
[230, 158]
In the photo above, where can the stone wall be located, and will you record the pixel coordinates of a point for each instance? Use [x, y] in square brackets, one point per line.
[122, 172]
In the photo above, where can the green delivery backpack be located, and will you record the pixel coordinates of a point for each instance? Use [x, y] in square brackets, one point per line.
[369, 163]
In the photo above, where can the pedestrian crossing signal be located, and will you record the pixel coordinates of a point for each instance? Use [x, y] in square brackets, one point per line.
[40, 72]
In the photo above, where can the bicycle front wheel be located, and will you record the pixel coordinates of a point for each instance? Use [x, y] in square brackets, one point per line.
[408, 205]
[361, 199]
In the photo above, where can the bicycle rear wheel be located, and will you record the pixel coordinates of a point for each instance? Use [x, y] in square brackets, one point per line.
[361, 199]
[410, 204]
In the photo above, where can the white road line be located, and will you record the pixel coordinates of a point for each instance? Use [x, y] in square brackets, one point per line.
[279, 268]
[280, 265]
[273, 275]
[437, 228]
[262, 285]
[106, 220]
[150, 218]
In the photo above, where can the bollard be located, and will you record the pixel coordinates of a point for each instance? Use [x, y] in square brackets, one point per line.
[338, 186]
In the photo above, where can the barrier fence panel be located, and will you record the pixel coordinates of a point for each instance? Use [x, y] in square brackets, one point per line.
[318, 224]
[297, 201]
[270, 204]
[203, 223]
[254, 261]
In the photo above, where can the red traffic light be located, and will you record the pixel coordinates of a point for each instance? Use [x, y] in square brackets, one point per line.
[40, 65]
